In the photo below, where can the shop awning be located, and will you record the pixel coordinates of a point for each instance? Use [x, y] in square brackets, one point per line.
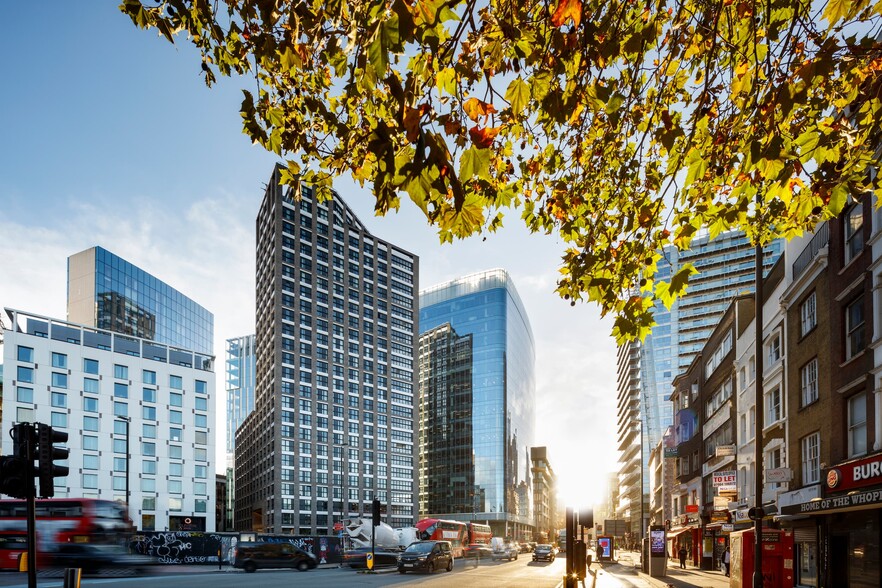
[677, 532]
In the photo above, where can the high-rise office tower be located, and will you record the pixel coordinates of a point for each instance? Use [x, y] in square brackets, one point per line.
[477, 401]
[108, 292]
[646, 371]
[240, 364]
[333, 425]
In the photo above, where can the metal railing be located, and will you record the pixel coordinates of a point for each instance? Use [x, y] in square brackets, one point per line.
[818, 242]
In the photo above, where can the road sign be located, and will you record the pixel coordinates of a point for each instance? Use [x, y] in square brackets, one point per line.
[370, 561]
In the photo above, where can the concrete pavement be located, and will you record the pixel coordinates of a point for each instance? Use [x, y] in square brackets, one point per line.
[628, 564]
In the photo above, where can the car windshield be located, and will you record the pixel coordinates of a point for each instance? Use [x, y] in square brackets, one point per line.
[419, 547]
[543, 547]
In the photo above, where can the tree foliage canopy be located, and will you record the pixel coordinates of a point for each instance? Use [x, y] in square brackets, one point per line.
[622, 126]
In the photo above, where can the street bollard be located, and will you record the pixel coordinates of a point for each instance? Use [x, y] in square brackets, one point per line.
[72, 577]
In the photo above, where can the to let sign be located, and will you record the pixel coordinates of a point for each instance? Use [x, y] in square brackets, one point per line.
[726, 478]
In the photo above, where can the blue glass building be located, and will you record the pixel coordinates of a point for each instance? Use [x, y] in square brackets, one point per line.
[108, 292]
[480, 316]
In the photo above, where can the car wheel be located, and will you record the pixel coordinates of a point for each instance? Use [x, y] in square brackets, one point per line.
[400, 571]
[302, 566]
[450, 565]
[516, 557]
[249, 567]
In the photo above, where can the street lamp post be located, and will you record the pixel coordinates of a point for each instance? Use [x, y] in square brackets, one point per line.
[128, 421]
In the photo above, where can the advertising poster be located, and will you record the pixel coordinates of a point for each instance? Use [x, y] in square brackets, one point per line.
[605, 544]
[657, 542]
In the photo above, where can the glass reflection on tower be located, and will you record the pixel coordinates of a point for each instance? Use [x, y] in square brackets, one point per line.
[480, 468]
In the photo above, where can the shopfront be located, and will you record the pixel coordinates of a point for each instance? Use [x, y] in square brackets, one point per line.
[838, 535]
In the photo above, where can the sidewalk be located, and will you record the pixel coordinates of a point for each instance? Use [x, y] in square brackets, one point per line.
[691, 577]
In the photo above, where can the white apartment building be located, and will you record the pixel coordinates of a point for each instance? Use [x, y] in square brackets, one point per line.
[135, 410]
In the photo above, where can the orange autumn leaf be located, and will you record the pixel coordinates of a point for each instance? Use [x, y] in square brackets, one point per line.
[477, 108]
[567, 9]
[483, 138]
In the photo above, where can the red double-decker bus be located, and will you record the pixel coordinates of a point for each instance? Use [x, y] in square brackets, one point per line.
[479, 533]
[68, 520]
[455, 532]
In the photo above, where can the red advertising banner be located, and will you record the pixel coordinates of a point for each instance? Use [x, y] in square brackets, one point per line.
[691, 508]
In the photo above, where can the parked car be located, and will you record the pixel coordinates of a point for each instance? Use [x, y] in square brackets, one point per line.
[507, 551]
[544, 552]
[92, 557]
[478, 550]
[524, 548]
[253, 555]
[357, 558]
[426, 556]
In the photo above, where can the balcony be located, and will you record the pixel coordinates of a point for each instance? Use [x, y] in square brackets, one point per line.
[818, 242]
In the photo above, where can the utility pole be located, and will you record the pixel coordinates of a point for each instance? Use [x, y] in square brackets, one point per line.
[760, 419]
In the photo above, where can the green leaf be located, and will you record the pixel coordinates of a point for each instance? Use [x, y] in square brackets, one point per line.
[836, 10]
[474, 162]
[518, 95]
[446, 81]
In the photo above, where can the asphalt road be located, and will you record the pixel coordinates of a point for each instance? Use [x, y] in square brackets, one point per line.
[522, 573]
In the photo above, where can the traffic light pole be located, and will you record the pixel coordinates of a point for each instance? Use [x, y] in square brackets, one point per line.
[32, 510]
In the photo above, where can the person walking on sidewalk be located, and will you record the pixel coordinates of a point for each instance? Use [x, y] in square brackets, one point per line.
[726, 560]
[682, 554]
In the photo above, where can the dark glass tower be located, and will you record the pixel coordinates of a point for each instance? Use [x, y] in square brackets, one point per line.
[477, 357]
[333, 422]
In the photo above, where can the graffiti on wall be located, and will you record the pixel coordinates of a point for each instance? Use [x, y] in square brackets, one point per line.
[185, 547]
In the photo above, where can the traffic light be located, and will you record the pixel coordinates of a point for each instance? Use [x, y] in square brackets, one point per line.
[15, 478]
[47, 437]
[375, 511]
[586, 517]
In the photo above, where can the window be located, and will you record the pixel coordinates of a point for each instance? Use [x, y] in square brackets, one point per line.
[149, 431]
[90, 423]
[148, 449]
[59, 360]
[811, 459]
[857, 425]
[90, 442]
[148, 485]
[201, 403]
[854, 328]
[201, 387]
[149, 377]
[176, 417]
[175, 487]
[175, 434]
[175, 452]
[25, 375]
[91, 386]
[90, 366]
[200, 454]
[854, 232]
[773, 401]
[59, 400]
[25, 354]
[201, 420]
[90, 462]
[148, 466]
[24, 415]
[120, 409]
[808, 378]
[121, 372]
[148, 413]
[90, 481]
[119, 464]
[149, 395]
[175, 383]
[148, 503]
[23, 394]
[59, 419]
[59, 380]
[807, 315]
[176, 469]
[775, 350]
[120, 390]
[175, 399]
[90, 404]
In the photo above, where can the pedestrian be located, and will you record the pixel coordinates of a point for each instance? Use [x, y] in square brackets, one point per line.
[682, 554]
[599, 551]
[726, 560]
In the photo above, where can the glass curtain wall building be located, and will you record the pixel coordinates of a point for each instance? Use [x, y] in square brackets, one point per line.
[477, 381]
[333, 424]
[240, 364]
[726, 267]
[108, 292]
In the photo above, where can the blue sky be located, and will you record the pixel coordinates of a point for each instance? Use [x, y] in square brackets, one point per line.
[110, 137]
